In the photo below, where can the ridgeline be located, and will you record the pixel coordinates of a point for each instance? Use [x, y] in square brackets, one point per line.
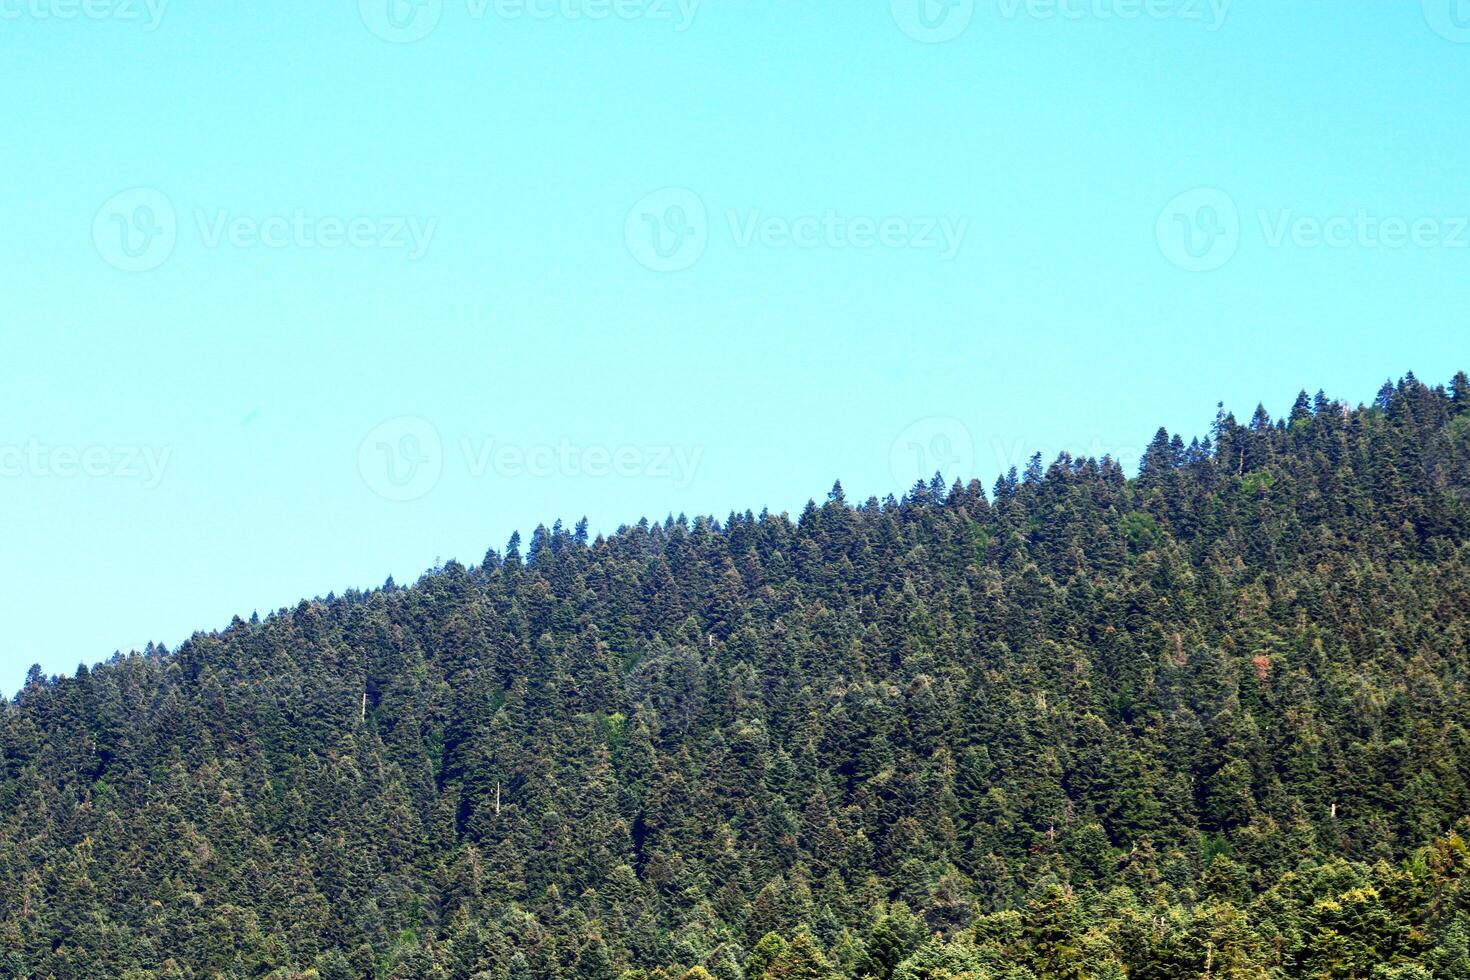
[1209, 721]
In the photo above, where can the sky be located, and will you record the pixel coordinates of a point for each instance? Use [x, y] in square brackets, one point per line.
[295, 297]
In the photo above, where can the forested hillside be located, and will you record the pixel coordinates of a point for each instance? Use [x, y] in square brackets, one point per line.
[1210, 721]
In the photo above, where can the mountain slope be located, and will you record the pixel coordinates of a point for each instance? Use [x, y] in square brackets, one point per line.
[1210, 721]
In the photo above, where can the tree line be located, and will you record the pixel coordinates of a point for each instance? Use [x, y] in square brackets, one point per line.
[1210, 720]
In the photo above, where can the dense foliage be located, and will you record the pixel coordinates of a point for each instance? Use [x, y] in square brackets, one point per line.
[1208, 722]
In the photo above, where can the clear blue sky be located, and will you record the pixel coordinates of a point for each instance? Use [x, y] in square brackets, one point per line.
[293, 301]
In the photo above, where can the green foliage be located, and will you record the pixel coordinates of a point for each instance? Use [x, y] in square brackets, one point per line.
[939, 960]
[1140, 530]
[1258, 482]
[800, 959]
[1207, 722]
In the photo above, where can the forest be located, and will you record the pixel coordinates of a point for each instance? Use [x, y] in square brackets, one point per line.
[1208, 720]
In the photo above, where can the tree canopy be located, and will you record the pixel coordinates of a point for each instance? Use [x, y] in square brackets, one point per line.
[1208, 721]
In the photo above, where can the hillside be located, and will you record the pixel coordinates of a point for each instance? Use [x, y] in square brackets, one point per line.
[1210, 721]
